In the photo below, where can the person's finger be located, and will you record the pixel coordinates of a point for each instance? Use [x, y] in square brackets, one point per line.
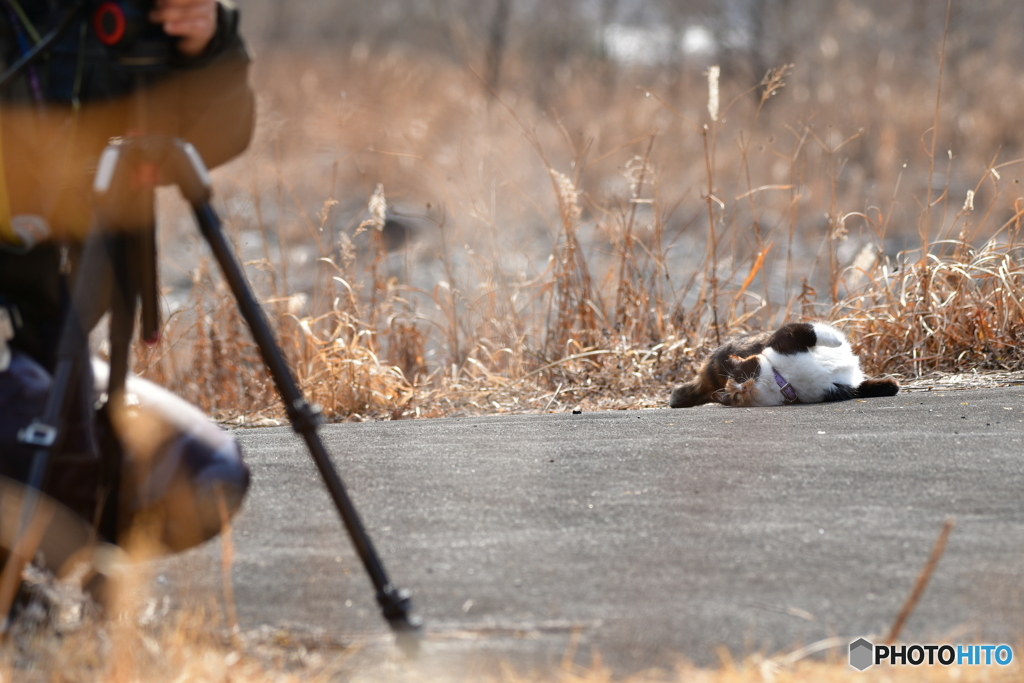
[190, 27]
[184, 14]
[165, 4]
[193, 21]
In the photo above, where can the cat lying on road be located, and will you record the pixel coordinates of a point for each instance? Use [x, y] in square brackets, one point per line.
[798, 363]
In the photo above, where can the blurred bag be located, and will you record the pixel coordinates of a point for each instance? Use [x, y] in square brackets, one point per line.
[24, 385]
[178, 467]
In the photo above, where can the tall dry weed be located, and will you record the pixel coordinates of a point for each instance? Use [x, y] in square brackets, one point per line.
[591, 251]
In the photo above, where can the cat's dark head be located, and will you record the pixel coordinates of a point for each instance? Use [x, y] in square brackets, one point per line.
[743, 369]
[741, 384]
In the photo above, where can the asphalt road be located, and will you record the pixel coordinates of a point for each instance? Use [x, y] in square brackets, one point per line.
[644, 535]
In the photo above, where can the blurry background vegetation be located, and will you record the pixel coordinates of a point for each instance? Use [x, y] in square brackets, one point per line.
[455, 205]
[749, 36]
[858, 64]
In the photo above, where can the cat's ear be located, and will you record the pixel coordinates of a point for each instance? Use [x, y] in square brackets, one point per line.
[751, 367]
[826, 335]
[744, 368]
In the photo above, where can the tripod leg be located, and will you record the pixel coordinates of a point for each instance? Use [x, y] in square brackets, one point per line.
[395, 603]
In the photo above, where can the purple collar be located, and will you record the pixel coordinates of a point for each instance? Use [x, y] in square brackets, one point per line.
[785, 387]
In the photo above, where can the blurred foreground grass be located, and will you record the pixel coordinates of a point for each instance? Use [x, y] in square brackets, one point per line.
[185, 647]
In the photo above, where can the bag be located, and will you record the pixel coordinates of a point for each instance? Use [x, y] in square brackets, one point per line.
[176, 462]
[74, 472]
[23, 389]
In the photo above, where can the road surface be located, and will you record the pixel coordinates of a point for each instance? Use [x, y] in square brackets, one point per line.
[644, 536]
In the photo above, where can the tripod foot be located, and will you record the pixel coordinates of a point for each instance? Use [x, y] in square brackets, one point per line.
[396, 604]
[409, 642]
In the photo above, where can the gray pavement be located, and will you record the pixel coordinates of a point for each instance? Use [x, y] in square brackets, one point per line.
[645, 535]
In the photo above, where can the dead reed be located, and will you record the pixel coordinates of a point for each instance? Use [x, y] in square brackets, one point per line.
[427, 247]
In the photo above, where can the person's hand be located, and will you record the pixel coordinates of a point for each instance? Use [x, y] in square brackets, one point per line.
[193, 21]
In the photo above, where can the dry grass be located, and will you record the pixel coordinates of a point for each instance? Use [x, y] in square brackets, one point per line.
[965, 310]
[575, 255]
[179, 647]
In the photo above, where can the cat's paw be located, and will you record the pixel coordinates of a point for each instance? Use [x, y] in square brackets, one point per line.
[827, 336]
[884, 386]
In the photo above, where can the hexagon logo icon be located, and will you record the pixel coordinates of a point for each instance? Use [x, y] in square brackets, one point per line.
[861, 654]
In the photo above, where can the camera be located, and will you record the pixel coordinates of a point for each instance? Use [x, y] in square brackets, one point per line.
[114, 38]
[123, 26]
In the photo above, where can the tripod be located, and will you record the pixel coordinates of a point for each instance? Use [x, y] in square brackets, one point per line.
[119, 259]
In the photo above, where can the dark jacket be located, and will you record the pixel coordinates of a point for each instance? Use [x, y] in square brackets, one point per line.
[50, 148]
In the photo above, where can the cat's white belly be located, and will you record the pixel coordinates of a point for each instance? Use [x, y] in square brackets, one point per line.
[811, 373]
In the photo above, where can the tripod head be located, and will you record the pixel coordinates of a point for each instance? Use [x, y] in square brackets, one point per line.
[129, 171]
[137, 162]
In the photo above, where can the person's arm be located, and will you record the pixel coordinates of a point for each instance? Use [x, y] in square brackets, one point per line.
[209, 98]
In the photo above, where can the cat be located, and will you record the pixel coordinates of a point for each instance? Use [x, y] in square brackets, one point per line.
[798, 363]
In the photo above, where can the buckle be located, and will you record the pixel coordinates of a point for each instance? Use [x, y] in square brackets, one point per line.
[38, 434]
[6, 334]
[788, 392]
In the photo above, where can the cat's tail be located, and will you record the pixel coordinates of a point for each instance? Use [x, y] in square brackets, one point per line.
[872, 388]
[690, 394]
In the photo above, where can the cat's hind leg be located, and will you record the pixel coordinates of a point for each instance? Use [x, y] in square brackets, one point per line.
[839, 392]
[871, 388]
[793, 338]
[800, 337]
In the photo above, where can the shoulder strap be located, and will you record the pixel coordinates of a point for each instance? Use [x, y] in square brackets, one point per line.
[7, 235]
